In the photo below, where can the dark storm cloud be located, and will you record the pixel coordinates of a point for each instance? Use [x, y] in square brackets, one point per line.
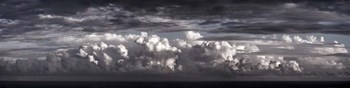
[299, 19]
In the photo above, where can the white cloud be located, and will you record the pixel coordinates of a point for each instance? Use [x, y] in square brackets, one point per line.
[133, 52]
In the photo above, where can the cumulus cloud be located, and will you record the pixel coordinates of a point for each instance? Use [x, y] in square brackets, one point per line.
[151, 53]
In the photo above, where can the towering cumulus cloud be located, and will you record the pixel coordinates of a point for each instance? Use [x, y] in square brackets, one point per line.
[151, 53]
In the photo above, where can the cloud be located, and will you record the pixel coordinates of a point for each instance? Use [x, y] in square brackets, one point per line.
[151, 53]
